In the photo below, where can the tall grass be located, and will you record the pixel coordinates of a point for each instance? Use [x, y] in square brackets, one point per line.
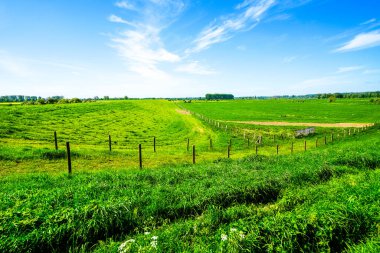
[44, 212]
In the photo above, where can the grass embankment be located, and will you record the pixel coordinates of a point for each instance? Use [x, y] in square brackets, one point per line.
[27, 143]
[321, 200]
[27, 139]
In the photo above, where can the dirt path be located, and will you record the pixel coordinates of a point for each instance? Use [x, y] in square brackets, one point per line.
[182, 112]
[302, 124]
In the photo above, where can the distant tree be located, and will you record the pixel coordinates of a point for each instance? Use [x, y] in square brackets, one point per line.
[332, 99]
[63, 101]
[126, 97]
[51, 100]
[219, 96]
[41, 101]
[75, 100]
[106, 98]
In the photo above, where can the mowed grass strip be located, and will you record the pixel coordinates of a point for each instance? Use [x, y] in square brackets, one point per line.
[43, 212]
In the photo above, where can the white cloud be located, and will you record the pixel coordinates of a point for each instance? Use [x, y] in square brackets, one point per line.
[125, 5]
[349, 69]
[194, 67]
[141, 46]
[248, 16]
[117, 19]
[372, 20]
[361, 41]
[142, 50]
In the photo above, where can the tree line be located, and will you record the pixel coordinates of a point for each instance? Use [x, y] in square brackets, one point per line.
[219, 96]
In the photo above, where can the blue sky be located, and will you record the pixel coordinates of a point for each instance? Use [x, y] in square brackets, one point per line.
[181, 48]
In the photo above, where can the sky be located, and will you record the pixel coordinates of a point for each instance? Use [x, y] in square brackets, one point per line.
[187, 48]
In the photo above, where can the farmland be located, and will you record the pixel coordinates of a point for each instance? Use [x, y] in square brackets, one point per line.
[324, 199]
[289, 110]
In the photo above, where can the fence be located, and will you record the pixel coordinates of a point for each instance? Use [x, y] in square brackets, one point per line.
[256, 148]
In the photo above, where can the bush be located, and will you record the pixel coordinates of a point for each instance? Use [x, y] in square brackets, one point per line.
[41, 101]
[332, 99]
[75, 100]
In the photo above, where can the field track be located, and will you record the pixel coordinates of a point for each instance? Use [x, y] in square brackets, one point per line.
[184, 112]
[358, 125]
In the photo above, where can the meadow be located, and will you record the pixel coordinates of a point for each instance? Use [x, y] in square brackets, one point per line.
[289, 110]
[326, 199]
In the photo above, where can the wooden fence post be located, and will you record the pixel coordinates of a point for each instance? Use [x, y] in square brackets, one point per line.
[154, 144]
[291, 148]
[193, 154]
[210, 144]
[256, 147]
[140, 156]
[68, 157]
[248, 142]
[316, 143]
[188, 144]
[305, 146]
[228, 151]
[332, 137]
[109, 142]
[230, 143]
[277, 149]
[55, 140]
[325, 140]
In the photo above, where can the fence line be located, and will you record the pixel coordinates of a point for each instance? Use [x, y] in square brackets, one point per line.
[211, 148]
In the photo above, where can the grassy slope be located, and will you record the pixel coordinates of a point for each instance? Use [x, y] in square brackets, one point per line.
[26, 134]
[129, 122]
[323, 199]
[318, 111]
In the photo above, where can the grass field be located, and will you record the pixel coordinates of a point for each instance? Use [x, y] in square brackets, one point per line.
[27, 133]
[324, 200]
[289, 110]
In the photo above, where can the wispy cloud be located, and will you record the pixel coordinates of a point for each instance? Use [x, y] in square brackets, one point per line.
[361, 41]
[140, 46]
[372, 20]
[117, 19]
[349, 69]
[125, 5]
[248, 15]
[143, 50]
[195, 67]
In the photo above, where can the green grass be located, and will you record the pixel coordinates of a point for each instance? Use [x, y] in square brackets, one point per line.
[322, 200]
[260, 196]
[28, 130]
[289, 110]
[27, 144]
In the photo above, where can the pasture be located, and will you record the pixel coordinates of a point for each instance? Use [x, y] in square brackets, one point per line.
[289, 110]
[322, 199]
